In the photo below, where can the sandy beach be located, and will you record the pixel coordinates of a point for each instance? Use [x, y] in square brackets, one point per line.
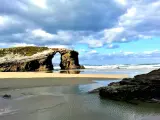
[58, 75]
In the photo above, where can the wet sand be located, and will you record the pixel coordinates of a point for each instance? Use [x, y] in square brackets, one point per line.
[11, 83]
[37, 79]
[69, 103]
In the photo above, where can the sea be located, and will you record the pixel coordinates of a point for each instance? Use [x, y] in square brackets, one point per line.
[129, 69]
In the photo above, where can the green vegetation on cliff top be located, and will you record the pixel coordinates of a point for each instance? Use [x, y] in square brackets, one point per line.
[26, 51]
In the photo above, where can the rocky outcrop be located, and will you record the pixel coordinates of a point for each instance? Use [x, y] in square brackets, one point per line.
[69, 60]
[144, 87]
[36, 59]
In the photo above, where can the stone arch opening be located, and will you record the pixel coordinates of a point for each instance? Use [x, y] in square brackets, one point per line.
[65, 59]
[56, 60]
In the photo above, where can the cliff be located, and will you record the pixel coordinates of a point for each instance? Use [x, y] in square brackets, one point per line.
[36, 59]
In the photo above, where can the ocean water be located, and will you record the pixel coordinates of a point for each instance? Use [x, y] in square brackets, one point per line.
[130, 70]
[71, 103]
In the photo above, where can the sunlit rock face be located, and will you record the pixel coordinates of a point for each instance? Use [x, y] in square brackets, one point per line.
[36, 59]
[69, 60]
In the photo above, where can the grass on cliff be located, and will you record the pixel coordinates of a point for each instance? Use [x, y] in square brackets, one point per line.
[26, 51]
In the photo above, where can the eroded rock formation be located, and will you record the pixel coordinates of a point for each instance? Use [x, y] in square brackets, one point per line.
[144, 87]
[36, 59]
[69, 59]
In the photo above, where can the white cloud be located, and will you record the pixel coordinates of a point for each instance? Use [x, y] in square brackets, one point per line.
[123, 57]
[95, 43]
[62, 21]
[110, 35]
[88, 54]
[39, 3]
[139, 22]
[82, 50]
[65, 22]
[131, 12]
[42, 34]
[41, 37]
[134, 54]
[92, 52]
[123, 40]
[22, 44]
[6, 21]
[3, 45]
[151, 52]
[3, 19]
[110, 46]
[92, 43]
[63, 36]
[57, 46]
[122, 2]
[128, 53]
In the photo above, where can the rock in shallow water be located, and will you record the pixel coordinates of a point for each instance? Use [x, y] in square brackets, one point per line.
[6, 96]
[145, 87]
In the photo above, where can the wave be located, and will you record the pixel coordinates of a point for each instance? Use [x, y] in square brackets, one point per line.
[147, 66]
[120, 66]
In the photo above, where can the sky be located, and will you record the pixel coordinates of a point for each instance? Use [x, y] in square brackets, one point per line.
[102, 31]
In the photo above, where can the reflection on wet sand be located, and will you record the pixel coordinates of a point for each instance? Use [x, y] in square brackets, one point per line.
[70, 71]
[70, 103]
[65, 71]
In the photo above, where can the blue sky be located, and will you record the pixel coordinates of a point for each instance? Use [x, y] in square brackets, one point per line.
[103, 31]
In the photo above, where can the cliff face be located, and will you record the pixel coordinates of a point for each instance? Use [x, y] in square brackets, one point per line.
[36, 59]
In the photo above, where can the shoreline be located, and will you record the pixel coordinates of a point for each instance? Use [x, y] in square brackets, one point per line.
[11, 80]
[59, 75]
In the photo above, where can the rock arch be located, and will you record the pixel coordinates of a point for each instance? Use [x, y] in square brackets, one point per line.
[69, 58]
[37, 59]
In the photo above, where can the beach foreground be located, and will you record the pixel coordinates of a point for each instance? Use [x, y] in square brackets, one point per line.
[55, 96]
[65, 102]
